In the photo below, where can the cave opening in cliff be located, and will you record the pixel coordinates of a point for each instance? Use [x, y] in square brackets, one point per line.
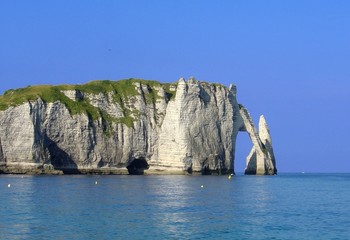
[137, 166]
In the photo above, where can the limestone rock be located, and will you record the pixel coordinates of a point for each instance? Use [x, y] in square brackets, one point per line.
[74, 95]
[261, 159]
[183, 127]
[198, 130]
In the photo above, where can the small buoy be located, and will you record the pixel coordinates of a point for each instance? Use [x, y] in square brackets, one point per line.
[8, 185]
[96, 182]
[229, 176]
[202, 186]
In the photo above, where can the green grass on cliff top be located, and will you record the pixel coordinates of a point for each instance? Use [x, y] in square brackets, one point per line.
[121, 90]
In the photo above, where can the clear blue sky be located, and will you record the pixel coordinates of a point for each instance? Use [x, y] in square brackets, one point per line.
[290, 59]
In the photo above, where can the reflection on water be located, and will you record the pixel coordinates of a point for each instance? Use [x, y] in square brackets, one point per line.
[172, 207]
[169, 201]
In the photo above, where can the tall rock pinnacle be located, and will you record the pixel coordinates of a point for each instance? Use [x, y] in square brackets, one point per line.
[261, 159]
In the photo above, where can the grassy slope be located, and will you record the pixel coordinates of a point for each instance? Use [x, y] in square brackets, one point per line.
[120, 89]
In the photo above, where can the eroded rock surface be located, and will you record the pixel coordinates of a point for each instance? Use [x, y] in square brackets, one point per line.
[261, 159]
[188, 127]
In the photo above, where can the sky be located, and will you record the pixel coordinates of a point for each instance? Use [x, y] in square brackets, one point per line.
[290, 60]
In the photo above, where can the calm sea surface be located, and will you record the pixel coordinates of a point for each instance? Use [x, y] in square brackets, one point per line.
[287, 206]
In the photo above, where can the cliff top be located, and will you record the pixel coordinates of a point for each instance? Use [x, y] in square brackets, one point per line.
[50, 93]
[121, 90]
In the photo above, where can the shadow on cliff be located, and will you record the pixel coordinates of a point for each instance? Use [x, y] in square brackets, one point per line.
[2, 159]
[204, 96]
[60, 159]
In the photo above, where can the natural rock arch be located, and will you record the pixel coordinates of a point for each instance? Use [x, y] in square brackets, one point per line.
[261, 159]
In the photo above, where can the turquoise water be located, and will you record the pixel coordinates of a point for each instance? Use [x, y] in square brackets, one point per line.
[287, 206]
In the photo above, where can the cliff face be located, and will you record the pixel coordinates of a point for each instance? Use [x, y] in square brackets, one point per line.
[185, 127]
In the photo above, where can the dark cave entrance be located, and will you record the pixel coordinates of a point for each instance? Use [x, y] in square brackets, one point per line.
[137, 166]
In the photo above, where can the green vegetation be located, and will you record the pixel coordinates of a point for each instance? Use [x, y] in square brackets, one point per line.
[120, 90]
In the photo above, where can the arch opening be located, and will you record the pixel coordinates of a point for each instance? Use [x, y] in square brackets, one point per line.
[243, 147]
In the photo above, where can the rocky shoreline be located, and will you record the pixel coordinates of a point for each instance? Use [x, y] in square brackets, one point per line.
[42, 170]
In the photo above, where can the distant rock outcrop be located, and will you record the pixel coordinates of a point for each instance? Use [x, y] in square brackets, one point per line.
[133, 126]
[261, 159]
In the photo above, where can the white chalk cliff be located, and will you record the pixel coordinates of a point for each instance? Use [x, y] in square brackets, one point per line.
[185, 127]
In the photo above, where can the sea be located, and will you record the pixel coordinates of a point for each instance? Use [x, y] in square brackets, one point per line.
[286, 206]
